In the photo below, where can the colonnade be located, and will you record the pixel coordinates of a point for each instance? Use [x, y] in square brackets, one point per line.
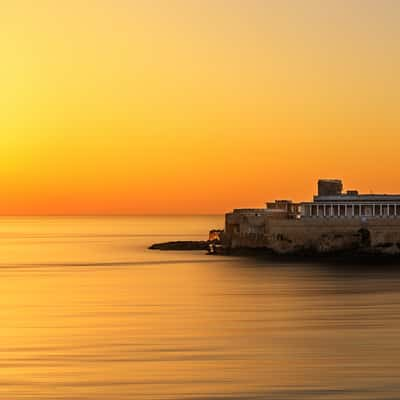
[349, 210]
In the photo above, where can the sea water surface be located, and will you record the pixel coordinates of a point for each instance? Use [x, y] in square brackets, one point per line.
[87, 312]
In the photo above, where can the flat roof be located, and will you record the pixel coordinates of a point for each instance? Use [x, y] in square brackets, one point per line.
[249, 210]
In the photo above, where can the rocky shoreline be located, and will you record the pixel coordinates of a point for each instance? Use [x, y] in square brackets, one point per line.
[182, 245]
[362, 255]
[210, 245]
[360, 249]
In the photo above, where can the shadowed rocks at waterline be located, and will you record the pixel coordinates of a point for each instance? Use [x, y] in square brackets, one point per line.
[214, 239]
[182, 245]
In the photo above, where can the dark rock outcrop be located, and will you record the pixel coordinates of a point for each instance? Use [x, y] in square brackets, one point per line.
[182, 245]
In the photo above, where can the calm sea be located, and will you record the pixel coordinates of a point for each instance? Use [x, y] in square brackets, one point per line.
[87, 312]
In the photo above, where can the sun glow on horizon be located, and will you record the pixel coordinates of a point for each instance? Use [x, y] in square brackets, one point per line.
[185, 107]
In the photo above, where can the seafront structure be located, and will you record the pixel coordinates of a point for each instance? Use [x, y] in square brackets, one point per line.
[332, 203]
[333, 221]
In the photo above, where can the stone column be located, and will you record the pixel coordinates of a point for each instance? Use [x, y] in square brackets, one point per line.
[381, 210]
[352, 210]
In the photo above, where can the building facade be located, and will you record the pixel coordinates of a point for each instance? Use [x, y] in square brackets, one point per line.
[332, 203]
[333, 221]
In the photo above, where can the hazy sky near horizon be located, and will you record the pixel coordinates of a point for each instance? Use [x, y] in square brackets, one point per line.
[184, 106]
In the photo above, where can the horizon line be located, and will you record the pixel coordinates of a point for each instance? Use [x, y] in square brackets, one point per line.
[110, 215]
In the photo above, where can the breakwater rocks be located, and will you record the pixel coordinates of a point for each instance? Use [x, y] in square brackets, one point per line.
[214, 240]
[182, 245]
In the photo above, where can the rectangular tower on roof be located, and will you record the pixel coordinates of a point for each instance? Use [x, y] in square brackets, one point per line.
[330, 187]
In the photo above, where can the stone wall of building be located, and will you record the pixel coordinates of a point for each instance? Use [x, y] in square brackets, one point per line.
[283, 235]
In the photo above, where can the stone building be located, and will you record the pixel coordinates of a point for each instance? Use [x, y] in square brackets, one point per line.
[332, 203]
[333, 221]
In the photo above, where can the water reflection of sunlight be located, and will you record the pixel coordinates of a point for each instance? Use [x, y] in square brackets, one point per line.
[101, 316]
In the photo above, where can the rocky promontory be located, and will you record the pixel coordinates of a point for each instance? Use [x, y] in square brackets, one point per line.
[182, 245]
[214, 239]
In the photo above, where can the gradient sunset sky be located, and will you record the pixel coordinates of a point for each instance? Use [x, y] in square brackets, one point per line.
[181, 107]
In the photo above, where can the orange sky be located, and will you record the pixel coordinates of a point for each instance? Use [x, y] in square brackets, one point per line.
[137, 107]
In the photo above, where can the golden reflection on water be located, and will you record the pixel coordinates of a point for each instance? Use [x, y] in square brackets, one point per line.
[88, 313]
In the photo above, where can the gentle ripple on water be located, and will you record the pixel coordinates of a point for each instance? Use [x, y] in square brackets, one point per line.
[87, 312]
